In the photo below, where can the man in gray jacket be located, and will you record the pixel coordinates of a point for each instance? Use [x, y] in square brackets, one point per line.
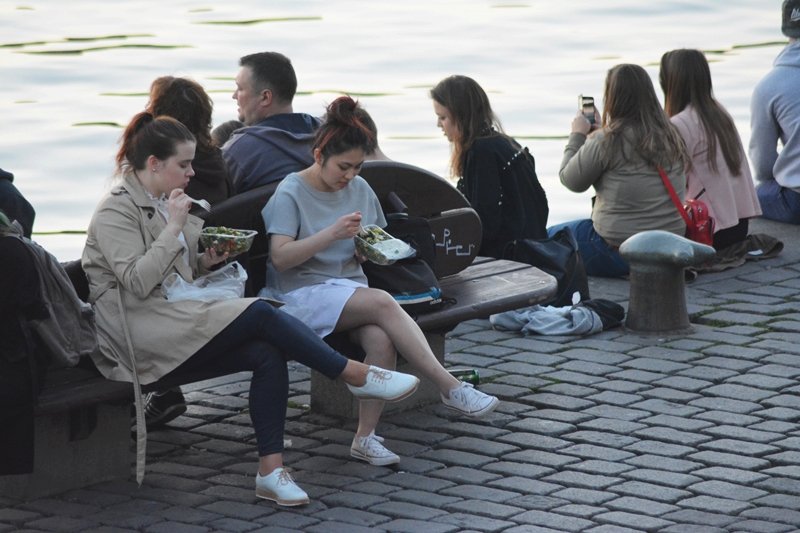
[775, 115]
[275, 140]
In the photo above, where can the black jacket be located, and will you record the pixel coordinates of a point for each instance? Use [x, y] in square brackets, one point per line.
[14, 205]
[500, 183]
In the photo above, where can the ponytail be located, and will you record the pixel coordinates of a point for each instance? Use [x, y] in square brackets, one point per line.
[147, 135]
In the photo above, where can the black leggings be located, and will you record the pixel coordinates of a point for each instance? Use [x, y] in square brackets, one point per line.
[262, 339]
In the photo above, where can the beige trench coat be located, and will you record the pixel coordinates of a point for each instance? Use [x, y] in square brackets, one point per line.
[127, 249]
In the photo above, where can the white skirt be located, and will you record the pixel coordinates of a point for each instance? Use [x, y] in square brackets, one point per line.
[320, 306]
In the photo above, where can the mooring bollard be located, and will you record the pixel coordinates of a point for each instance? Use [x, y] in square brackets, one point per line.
[657, 262]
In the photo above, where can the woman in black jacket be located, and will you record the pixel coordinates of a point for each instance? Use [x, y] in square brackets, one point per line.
[496, 174]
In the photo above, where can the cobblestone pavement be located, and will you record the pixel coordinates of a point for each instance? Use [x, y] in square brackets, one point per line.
[609, 433]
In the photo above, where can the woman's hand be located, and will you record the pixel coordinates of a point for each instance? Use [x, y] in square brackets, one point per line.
[210, 258]
[178, 205]
[347, 226]
[580, 124]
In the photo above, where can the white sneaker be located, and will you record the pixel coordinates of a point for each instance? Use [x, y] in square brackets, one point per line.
[468, 401]
[279, 487]
[371, 450]
[387, 385]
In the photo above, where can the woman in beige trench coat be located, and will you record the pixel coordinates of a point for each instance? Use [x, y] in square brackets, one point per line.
[140, 233]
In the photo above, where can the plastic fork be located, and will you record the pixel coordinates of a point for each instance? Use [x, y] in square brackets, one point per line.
[202, 203]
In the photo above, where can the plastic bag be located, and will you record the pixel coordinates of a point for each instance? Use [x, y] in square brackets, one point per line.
[223, 284]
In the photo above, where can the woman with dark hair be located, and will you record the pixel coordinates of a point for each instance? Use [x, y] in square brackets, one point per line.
[496, 174]
[141, 233]
[186, 101]
[718, 171]
[312, 219]
[620, 159]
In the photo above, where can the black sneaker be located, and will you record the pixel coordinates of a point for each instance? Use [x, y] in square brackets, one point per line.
[161, 407]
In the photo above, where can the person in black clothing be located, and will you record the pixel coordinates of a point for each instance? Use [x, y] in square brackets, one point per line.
[495, 174]
[21, 301]
[14, 205]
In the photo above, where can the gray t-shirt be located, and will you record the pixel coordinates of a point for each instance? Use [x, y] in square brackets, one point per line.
[299, 211]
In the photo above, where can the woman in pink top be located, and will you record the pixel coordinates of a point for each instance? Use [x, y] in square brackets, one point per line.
[718, 172]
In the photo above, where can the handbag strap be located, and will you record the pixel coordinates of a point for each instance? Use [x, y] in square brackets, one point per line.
[673, 196]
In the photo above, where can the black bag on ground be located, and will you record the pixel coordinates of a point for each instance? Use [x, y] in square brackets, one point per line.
[559, 257]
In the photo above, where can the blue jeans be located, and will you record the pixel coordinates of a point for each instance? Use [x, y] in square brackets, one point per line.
[778, 203]
[599, 258]
[262, 339]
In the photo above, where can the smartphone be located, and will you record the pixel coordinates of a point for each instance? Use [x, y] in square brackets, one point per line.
[586, 104]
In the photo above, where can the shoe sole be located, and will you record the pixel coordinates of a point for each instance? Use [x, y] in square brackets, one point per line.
[402, 396]
[265, 495]
[477, 414]
[167, 415]
[374, 461]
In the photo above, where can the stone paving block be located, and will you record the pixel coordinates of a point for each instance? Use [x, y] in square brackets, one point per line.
[725, 404]
[754, 379]
[783, 400]
[62, 523]
[333, 526]
[503, 391]
[739, 446]
[736, 352]
[700, 517]
[615, 398]
[724, 489]
[457, 458]
[683, 383]
[481, 446]
[725, 366]
[188, 515]
[621, 385]
[731, 460]
[668, 394]
[784, 501]
[691, 528]
[407, 510]
[649, 364]
[784, 458]
[570, 389]
[637, 375]
[509, 468]
[573, 378]
[416, 482]
[424, 498]
[607, 528]
[592, 451]
[540, 426]
[783, 485]
[636, 521]
[426, 437]
[532, 488]
[621, 413]
[778, 346]
[533, 440]
[596, 466]
[672, 436]
[239, 509]
[740, 433]
[579, 510]
[724, 335]
[650, 491]
[557, 401]
[124, 519]
[762, 526]
[492, 352]
[736, 318]
[593, 368]
[560, 415]
[715, 505]
[774, 514]
[482, 508]
[792, 471]
[666, 353]
[633, 505]
[584, 496]
[222, 524]
[415, 526]
[728, 418]
[676, 422]
[611, 425]
[715, 375]
[788, 359]
[776, 426]
[351, 516]
[582, 479]
[55, 506]
[666, 407]
[599, 438]
[356, 500]
[459, 474]
[732, 475]
[524, 369]
[659, 448]
[552, 520]
[739, 392]
[596, 351]
[661, 477]
[533, 344]
[467, 522]
[479, 492]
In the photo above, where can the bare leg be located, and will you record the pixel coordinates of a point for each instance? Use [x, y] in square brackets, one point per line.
[268, 463]
[375, 307]
[381, 353]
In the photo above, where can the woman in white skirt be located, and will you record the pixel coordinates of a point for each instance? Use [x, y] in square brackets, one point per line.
[312, 219]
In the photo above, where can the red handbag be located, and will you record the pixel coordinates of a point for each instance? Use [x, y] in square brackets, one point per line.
[699, 224]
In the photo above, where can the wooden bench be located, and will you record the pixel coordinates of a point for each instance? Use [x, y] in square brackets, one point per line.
[83, 420]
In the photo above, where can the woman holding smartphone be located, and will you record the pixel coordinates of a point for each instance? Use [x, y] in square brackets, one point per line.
[620, 156]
